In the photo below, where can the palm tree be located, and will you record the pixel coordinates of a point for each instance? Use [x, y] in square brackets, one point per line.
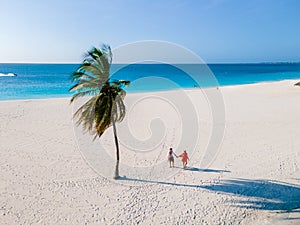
[106, 106]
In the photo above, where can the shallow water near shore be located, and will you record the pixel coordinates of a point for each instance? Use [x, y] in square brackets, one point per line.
[35, 81]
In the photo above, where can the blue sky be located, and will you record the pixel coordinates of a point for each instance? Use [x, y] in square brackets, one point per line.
[216, 30]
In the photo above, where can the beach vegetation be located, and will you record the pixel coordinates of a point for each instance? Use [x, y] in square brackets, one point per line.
[104, 106]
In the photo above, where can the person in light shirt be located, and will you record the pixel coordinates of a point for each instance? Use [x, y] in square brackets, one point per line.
[171, 155]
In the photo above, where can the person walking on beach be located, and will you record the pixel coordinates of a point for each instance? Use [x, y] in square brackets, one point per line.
[184, 159]
[171, 157]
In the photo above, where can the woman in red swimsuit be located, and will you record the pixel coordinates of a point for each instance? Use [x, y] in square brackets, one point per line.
[184, 159]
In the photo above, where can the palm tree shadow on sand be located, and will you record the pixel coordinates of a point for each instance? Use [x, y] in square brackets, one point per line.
[265, 194]
[262, 194]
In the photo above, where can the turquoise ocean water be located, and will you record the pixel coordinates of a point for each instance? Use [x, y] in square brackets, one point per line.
[53, 80]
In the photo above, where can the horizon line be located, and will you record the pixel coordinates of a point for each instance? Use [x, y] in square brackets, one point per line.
[153, 62]
[77, 63]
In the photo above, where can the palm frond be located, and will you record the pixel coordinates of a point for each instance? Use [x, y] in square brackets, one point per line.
[92, 69]
[102, 57]
[118, 111]
[103, 114]
[83, 94]
[121, 83]
[85, 115]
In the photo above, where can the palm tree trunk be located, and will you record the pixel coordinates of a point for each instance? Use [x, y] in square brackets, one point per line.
[116, 176]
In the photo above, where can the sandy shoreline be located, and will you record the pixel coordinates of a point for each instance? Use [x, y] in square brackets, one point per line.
[46, 175]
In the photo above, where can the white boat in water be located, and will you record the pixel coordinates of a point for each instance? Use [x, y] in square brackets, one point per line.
[8, 75]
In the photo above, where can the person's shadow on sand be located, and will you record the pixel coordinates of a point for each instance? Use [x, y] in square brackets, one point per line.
[195, 169]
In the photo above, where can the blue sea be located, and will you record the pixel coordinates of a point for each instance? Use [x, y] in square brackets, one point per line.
[35, 81]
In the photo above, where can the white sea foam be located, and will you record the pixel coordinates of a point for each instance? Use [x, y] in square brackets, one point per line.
[8, 75]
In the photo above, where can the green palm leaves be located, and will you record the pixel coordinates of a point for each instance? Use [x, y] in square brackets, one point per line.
[106, 104]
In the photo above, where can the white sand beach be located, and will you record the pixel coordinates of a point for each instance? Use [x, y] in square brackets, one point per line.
[50, 175]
